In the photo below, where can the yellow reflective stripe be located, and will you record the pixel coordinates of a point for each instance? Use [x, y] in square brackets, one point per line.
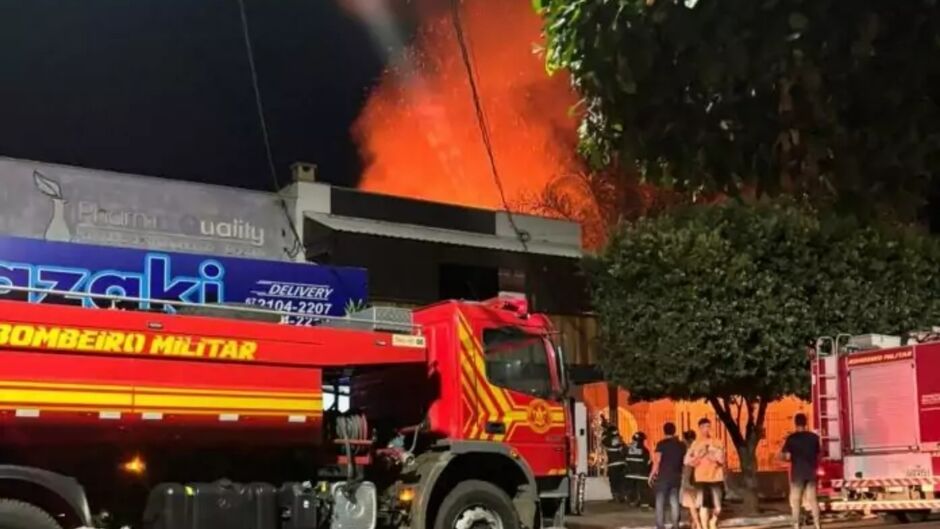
[18, 394]
[490, 408]
[157, 389]
[57, 385]
[39, 396]
[156, 401]
[478, 355]
[45, 407]
[252, 413]
[238, 392]
[225, 403]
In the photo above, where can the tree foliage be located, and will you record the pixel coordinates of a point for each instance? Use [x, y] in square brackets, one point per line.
[598, 200]
[719, 302]
[831, 98]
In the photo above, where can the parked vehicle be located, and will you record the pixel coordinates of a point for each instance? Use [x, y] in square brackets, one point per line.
[876, 404]
[458, 418]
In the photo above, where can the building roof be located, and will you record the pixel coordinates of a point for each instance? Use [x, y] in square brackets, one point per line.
[540, 242]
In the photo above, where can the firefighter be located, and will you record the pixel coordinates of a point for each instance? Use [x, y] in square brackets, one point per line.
[638, 471]
[613, 445]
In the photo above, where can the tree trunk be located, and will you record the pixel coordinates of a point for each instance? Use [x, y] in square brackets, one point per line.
[613, 405]
[745, 433]
[747, 454]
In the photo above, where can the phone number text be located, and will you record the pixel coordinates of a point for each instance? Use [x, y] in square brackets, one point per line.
[314, 308]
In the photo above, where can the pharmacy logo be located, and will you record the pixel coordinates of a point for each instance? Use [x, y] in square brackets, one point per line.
[58, 228]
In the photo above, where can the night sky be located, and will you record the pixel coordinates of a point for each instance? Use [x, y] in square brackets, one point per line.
[162, 87]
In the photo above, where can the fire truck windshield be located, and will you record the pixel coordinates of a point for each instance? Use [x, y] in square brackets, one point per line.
[517, 360]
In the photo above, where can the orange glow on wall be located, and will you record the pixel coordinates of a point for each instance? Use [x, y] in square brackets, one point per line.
[649, 418]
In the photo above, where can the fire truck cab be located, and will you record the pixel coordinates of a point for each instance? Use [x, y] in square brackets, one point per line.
[457, 418]
[876, 406]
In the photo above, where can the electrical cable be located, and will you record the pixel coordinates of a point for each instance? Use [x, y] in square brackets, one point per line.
[265, 135]
[522, 235]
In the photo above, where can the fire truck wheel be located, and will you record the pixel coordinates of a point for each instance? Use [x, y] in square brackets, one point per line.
[912, 516]
[20, 515]
[477, 505]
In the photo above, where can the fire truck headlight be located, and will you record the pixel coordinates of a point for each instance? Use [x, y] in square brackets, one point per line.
[136, 466]
[406, 494]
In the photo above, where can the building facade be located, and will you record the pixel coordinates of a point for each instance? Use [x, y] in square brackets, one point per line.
[414, 253]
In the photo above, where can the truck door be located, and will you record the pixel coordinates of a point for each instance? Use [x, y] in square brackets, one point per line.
[522, 404]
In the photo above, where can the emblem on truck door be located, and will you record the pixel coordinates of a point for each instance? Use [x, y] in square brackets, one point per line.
[539, 416]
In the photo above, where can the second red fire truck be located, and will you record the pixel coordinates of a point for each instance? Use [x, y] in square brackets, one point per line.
[876, 404]
[458, 420]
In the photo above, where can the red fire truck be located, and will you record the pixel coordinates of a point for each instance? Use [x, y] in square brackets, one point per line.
[876, 404]
[120, 418]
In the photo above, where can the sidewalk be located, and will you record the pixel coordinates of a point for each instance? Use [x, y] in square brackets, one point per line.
[609, 515]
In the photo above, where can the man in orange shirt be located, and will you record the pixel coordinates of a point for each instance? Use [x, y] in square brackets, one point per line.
[707, 458]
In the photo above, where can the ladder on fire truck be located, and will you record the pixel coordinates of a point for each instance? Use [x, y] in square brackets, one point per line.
[826, 393]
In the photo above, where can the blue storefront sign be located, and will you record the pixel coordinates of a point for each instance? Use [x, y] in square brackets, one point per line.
[306, 290]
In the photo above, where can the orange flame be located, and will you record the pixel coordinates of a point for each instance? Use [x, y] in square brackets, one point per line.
[419, 135]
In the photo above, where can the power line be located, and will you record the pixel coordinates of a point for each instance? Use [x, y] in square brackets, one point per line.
[269, 152]
[522, 235]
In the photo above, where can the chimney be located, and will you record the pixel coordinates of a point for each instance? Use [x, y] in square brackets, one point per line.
[303, 172]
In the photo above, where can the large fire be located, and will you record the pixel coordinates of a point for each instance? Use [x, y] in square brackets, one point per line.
[419, 135]
[420, 138]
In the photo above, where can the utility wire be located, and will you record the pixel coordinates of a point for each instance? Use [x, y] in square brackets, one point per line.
[522, 235]
[269, 152]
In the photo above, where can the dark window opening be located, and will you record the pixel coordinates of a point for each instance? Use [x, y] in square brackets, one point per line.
[468, 282]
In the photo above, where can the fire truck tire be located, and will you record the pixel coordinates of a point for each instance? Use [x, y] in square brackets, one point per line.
[20, 515]
[912, 516]
[476, 505]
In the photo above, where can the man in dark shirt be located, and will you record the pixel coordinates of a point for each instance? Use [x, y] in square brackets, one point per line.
[666, 475]
[801, 449]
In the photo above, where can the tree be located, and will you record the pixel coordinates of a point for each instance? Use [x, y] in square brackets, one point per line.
[718, 302]
[838, 100]
[598, 201]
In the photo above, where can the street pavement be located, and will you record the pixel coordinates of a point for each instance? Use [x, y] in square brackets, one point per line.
[607, 515]
[884, 524]
[610, 515]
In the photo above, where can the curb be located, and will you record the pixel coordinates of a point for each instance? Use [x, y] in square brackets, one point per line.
[756, 522]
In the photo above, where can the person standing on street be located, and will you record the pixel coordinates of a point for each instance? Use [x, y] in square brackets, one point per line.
[638, 471]
[616, 463]
[690, 493]
[707, 457]
[801, 449]
[666, 475]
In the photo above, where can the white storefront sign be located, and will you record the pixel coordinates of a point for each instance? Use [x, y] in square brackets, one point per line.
[61, 203]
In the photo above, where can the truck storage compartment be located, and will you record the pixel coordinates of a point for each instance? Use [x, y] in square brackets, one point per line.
[227, 505]
[166, 507]
[219, 505]
[298, 504]
[928, 387]
[263, 498]
[882, 420]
